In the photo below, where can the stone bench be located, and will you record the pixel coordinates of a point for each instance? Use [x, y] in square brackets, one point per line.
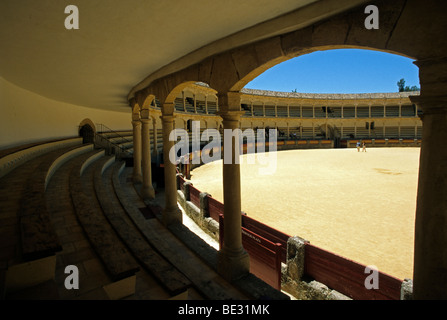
[118, 261]
[168, 276]
[19, 156]
[34, 261]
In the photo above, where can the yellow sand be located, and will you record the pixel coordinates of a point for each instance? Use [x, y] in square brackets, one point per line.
[360, 205]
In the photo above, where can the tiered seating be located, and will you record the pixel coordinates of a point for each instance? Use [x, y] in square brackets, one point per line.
[38, 230]
[30, 241]
[377, 111]
[307, 112]
[392, 111]
[212, 107]
[179, 105]
[362, 132]
[307, 133]
[294, 111]
[362, 112]
[269, 111]
[348, 112]
[334, 112]
[348, 132]
[392, 132]
[189, 104]
[377, 132]
[282, 111]
[82, 209]
[202, 276]
[115, 142]
[408, 111]
[258, 110]
[117, 260]
[169, 277]
[407, 132]
[320, 112]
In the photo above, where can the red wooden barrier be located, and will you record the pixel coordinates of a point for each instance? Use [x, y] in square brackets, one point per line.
[194, 195]
[215, 208]
[346, 276]
[265, 256]
[181, 181]
[268, 233]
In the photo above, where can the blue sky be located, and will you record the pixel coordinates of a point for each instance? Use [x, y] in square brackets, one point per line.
[339, 71]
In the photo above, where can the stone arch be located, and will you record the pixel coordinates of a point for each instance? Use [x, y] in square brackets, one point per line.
[87, 131]
[229, 71]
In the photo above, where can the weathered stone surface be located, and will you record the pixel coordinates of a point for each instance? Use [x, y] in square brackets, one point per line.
[407, 290]
[297, 42]
[295, 258]
[224, 73]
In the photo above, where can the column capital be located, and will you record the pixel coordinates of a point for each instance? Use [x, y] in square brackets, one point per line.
[144, 114]
[431, 104]
[229, 101]
[230, 115]
[433, 76]
[146, 121]
[135, 116]
[136, 123]
[168, 109]
[167, 118]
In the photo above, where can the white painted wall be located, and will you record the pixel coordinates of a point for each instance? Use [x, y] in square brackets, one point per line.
[27, 117]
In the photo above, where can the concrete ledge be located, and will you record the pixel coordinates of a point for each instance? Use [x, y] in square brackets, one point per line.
[121, 289]
[28, 274]
[207, 224]
[90, 160]
[63, 159]
[12, 161]
[171, 279]
[116, 258]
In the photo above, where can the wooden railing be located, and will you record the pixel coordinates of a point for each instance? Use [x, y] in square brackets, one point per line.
[267, 248]
[347, 276]
[265, 256]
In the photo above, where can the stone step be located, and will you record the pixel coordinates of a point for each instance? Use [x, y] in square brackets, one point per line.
[14, 157]
[38, 238]
[30, 241]
[118, 261]
[174, 281]
[94, 278]
[203, 277]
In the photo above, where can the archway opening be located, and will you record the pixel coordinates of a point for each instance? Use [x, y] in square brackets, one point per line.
[87, 133]
[338, 71]
[358, 113]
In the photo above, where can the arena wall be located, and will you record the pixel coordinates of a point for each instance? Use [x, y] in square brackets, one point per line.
[297, 278]
[28, 117]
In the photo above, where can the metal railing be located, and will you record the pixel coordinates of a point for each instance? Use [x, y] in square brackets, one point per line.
[103, 140]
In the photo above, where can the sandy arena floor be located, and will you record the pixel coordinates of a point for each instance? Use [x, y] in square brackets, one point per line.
[360, 205]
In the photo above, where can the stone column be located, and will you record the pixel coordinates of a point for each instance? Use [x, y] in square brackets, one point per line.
[233, 260]
[171, 212]
[136, 125]
[154, 125]
[430, 243]
[147, 191]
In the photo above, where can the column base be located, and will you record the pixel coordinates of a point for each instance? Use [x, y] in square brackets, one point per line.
[137, 178]
[148, 193]
[171, 216]
[233, 265]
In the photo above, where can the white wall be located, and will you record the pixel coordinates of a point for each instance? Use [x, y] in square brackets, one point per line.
[27, 117]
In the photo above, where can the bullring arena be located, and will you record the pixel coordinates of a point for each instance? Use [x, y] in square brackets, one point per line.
[360, 205]
[86, 183]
